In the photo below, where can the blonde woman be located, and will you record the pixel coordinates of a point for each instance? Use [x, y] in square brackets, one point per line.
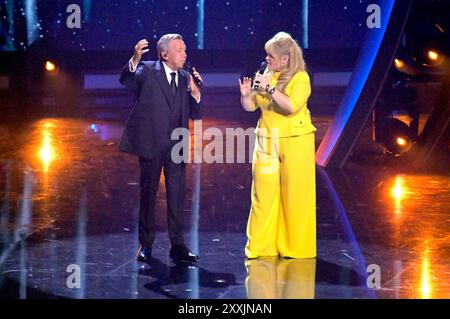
[282, 219]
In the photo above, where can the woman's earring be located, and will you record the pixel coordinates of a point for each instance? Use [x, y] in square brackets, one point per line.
[283, 66]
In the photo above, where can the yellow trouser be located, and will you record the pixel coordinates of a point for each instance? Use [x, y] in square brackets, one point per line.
[282, 218]
[273, 278]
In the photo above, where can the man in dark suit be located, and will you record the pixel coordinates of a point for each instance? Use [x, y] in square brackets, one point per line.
[166, 97]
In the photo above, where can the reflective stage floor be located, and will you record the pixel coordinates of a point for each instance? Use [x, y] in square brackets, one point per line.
[69, 202]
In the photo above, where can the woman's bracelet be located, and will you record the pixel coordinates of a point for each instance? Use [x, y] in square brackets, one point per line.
[269, 89]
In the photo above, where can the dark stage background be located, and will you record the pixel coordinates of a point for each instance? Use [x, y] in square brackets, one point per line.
[205, 24]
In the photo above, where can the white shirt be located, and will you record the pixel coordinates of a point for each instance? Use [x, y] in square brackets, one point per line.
[168, 75]
[167, 70]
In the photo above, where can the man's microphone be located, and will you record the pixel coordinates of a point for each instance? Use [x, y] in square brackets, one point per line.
[261, 70]
[190, 69]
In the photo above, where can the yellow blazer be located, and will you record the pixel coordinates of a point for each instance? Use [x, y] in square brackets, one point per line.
[274, 122]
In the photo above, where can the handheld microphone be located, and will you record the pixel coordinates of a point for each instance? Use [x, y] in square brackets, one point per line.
[190, 69]
[261, 70]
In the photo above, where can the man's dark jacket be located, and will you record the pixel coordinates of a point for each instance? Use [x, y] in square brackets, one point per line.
[148, 128]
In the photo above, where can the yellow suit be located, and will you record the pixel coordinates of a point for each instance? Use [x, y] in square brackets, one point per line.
[282, 218]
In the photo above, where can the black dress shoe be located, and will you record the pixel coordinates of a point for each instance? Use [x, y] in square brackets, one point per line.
[144, 254]
[180, 253]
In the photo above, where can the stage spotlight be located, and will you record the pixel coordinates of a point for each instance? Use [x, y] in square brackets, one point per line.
[433, 55]
[399, 64]
[397, 138]
[401, 141]
[50, 66]
[406, 64]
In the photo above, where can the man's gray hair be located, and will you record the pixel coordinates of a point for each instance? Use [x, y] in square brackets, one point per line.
[163, 42]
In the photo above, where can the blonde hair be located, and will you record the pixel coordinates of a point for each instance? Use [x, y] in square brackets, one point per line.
[281, 44]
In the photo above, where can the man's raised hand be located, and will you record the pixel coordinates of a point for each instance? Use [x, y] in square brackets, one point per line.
[139, 49]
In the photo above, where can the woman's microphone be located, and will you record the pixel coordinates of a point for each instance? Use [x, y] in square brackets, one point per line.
[261, 70]
[190, 69]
